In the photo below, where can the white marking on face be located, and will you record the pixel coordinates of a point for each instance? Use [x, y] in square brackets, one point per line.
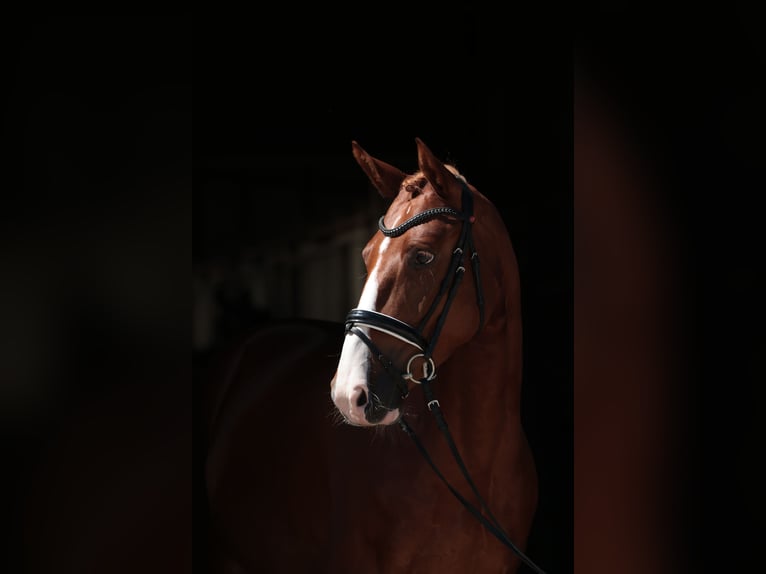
[370, 290]
[352, 365]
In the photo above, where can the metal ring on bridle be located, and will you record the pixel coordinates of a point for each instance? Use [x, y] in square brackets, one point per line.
[430, 361]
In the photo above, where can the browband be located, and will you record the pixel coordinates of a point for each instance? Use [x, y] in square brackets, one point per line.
[421, 217]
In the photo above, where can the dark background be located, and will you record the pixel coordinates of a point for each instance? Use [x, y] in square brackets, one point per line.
[95, 313]
[688, 84]
[97, 211]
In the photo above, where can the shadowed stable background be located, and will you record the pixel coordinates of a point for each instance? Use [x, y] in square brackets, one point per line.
[97, 216]
[669, 308]
[95, 226]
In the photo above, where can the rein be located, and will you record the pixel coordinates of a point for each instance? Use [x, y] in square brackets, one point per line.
[490, 523]
[414, 337]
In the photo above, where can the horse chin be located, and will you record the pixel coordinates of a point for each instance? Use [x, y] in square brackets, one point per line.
[389, 418]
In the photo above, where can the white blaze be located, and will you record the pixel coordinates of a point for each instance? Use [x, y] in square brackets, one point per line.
[370, 291]
[352, 366]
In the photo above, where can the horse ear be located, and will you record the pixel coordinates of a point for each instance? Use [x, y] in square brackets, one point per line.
[386, 178]
[444, 182]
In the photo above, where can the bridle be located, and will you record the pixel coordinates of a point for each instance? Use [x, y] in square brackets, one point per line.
[414, 337]
[449, 286]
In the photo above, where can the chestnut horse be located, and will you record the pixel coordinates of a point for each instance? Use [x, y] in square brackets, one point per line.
[299, 480]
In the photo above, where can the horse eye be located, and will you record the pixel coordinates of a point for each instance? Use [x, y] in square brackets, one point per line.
[424, 257]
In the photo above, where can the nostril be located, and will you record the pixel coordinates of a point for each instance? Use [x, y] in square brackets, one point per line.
[362, 399]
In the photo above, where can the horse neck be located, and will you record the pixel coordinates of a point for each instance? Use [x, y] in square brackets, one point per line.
[486, 371]
[479, 386]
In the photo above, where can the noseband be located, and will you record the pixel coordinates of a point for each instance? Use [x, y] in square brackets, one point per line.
[449, 286]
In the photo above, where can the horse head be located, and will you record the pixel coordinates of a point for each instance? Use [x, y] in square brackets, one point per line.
[412, 313]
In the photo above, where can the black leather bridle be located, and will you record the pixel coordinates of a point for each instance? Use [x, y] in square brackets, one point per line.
[414, 337]
[449, 286]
